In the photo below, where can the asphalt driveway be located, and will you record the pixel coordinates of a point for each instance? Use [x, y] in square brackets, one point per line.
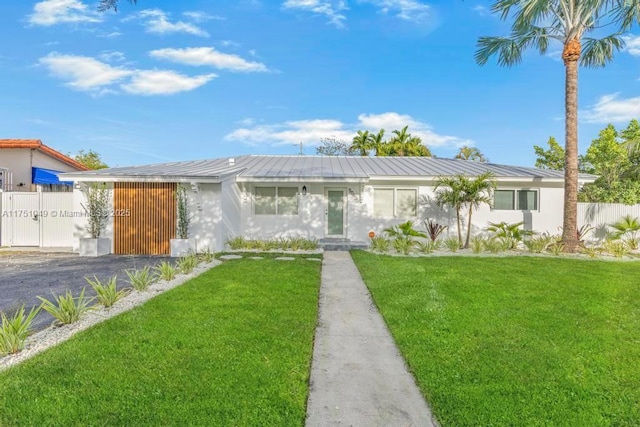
[25, 276]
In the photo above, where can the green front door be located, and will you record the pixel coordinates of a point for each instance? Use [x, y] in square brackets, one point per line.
[335, 212]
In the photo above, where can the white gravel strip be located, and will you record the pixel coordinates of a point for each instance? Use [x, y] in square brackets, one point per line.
[52, 336]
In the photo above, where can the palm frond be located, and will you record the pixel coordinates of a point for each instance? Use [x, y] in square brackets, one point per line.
[625, 13]
[597, 52]
[111, 4]
[509, 51]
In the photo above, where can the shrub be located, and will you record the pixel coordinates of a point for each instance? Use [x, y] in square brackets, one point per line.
[106, 293]
[434, 229]
[380, 244]
[452, 244]
[15, 330]
[510, 234]
[67, 309]
[556, 247]
[538, 244]
[97, 209]
[141, 279]
[591, 251]
[206, 256]
[310, 244]
[187, 264]
[184, 216]
[617, 248]
[166, 271]
[495, 245]
[426, 247]
[477, 244]
[237, 243]
[403, 245]
[296, 243]
[403, 230]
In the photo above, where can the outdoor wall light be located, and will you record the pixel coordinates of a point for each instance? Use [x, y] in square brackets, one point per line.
[304, 190]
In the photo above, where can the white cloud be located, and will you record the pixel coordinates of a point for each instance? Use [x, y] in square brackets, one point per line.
[332, 10]
[159, 82]
[481, 10]
[90, 75]
[612, 109]
[84, 73]
[309, 132]
[52, 12]
[157, 21]
[112, 56]
[409, 10]
[632, 44]
[208, 56]
[199, 16]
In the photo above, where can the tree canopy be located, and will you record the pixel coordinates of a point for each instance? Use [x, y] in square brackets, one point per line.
[90, 159]
[471, 153]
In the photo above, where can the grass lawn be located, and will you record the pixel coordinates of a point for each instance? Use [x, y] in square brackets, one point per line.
[515, 341]
[231, 347]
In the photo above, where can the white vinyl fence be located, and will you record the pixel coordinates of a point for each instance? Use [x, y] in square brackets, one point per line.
[36, 219]
[599, 215]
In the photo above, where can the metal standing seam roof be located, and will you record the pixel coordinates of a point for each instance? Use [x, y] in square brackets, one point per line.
[330, 167]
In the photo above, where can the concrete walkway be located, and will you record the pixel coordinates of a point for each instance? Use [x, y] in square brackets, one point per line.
[358, 377]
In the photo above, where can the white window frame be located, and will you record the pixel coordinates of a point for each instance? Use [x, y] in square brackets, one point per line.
[395, 201]
[516, 200]
[277, 204]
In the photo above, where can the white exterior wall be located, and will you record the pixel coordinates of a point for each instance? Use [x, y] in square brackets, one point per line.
[206, 216]
[600, 215]
[19, 162]
[311, 219]
[80, 219]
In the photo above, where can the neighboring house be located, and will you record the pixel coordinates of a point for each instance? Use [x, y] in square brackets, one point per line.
[317, 197]
[29, 165]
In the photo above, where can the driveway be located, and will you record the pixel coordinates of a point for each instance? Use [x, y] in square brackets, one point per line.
[25, 276]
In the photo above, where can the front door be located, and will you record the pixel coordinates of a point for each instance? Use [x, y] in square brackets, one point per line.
[335, 212]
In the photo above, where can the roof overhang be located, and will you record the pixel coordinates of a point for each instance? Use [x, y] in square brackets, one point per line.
[312, 179]
[147, 178]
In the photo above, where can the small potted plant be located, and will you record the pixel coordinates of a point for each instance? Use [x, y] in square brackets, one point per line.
[97, 210]
[182, 245]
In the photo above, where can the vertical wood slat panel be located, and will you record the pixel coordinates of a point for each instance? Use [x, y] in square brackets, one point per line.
[151, 222]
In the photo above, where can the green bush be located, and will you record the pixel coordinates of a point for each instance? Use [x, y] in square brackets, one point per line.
[556, 247]
[166, 271]
[510, 234]
[477, 244]
[187, 264]
[380, 244]
[495, 245]
[15, 330]
[591, 251]
[538, 244]
[427, 247]
[617, 248]
[66, 309]
[141, 279]
[237, 243]
[207, 256]
[403, 245]
[106, 293]
[452, 243]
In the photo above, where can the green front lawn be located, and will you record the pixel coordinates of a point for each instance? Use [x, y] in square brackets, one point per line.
[515, 341]
[231, 347]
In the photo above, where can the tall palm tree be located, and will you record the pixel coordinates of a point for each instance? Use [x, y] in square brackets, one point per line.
[477, 191]
[361, 143]
[377, 141]
[536, 23]
[449, 191]
[471, 153]
[111, 4]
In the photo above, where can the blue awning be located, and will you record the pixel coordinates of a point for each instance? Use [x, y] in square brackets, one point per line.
[47, 176]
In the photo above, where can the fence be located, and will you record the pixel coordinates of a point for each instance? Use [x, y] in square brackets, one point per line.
[599, 215]
[36, 219]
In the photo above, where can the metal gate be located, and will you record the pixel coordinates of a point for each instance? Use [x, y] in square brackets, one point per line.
[36, 219]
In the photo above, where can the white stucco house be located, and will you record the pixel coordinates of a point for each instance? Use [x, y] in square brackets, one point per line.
[316, 197]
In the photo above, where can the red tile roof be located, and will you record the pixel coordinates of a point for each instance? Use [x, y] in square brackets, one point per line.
[36, 144]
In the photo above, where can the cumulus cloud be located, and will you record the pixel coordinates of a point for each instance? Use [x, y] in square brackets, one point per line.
[612, 109]
[199, 16]
[309, 132]
[87, 74]
[51, 12]
[408, 10]
[332, 10]
[157, 21]
[208, 56]
[632, 44]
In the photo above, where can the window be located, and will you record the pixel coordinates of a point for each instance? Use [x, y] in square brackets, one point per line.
[522, 200]
[276, 201]
[394, 202]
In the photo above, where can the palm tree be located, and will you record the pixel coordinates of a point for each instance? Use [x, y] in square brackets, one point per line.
[476, 192]
[450, 192]
[377, 141]
[362, 143]
[471, 153]
[111, 4]
[536, 23]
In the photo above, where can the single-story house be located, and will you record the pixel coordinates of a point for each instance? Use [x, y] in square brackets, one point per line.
[317, 197]
[30, 165]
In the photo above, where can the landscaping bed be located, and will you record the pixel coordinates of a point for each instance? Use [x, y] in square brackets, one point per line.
[515, 340]
[230, 347]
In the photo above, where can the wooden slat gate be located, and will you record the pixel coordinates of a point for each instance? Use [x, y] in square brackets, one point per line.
[144, 218]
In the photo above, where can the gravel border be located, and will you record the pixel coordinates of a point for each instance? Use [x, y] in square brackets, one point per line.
[54, 335]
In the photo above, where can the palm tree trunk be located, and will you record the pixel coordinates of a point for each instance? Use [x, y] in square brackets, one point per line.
[466, 244]
[571, 55]
[459, 226]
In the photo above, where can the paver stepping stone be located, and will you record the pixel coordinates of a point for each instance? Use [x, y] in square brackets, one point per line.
[256, 257]
[228, 257]
[285, 258]
[314, 259]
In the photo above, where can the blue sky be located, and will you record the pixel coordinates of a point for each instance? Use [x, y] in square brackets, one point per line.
[168, 80]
